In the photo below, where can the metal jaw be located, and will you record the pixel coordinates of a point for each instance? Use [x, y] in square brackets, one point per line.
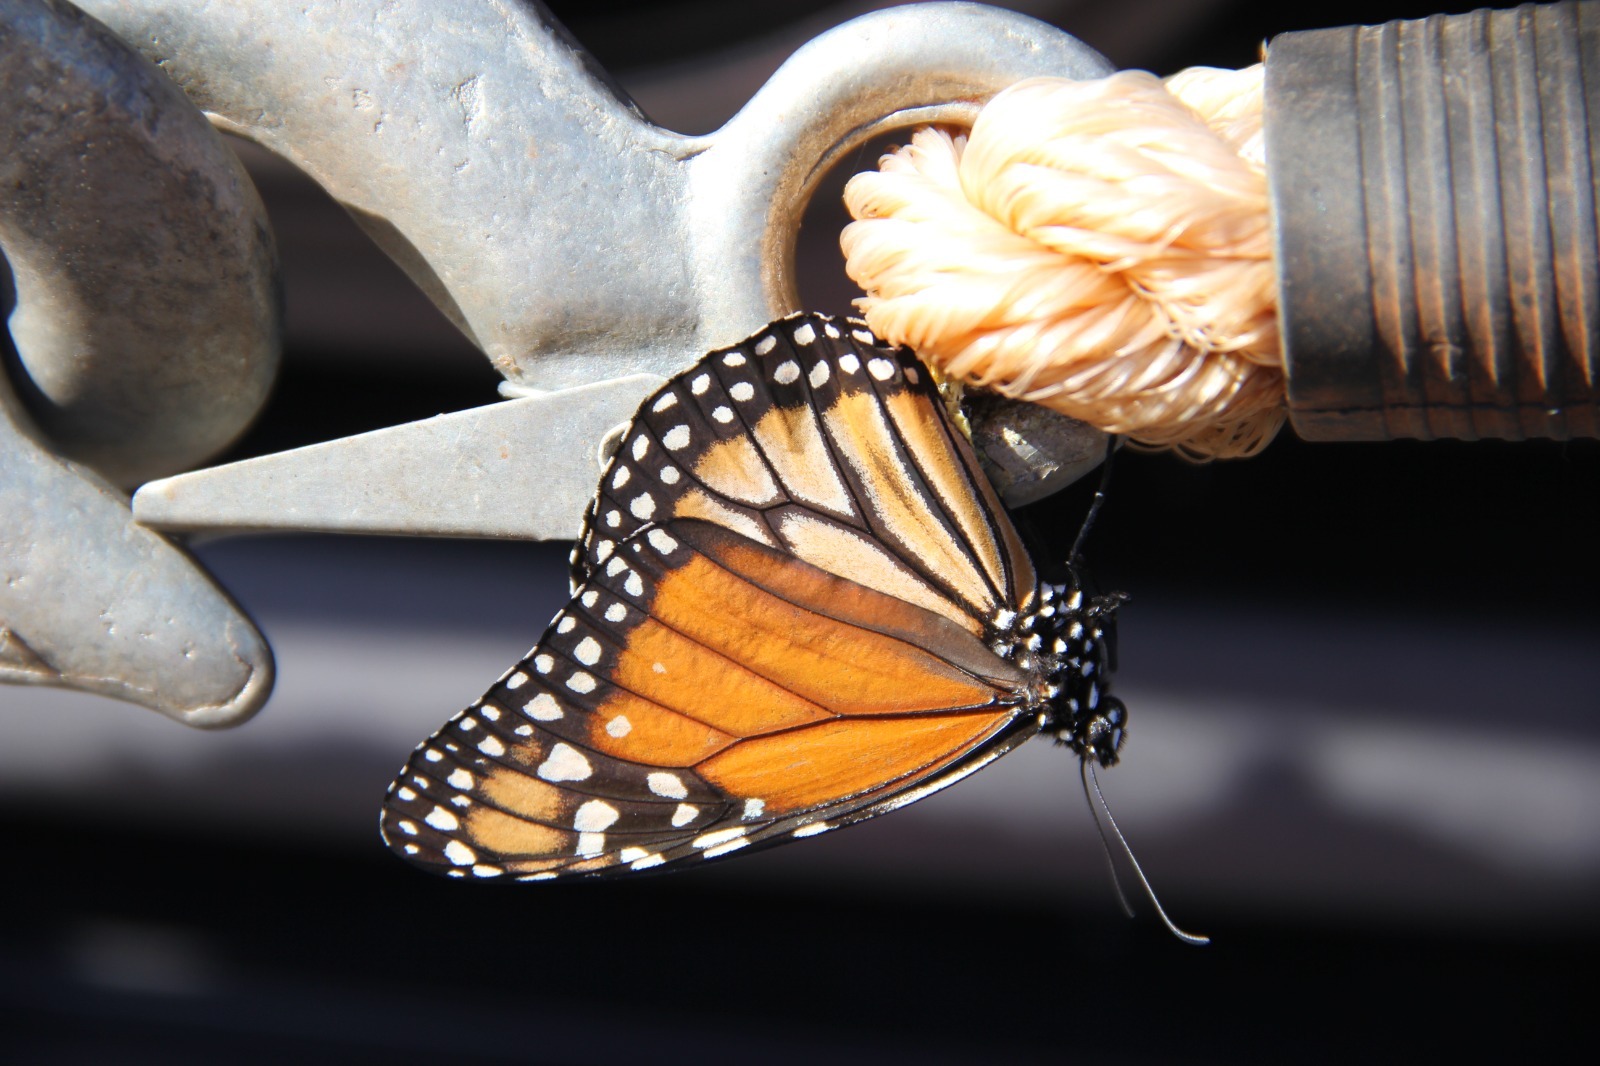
[586, 251]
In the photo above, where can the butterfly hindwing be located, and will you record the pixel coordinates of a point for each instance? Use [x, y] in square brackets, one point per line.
[701, 685]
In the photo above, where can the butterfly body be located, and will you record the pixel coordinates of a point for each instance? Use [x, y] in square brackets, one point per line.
[796, 604]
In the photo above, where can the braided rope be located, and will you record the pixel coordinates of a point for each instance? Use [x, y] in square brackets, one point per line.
[1102, 248]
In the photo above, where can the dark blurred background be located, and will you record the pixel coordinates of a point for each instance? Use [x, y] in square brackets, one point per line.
[1364, 756]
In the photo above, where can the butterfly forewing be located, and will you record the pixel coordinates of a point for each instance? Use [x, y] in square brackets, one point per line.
[785, 600]
[814, 437]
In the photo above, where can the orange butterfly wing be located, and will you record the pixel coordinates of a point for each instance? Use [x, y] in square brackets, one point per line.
[785, 609]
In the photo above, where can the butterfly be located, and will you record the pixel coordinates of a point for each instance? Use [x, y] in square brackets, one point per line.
[797, 603]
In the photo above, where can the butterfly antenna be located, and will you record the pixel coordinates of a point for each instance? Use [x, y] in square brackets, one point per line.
[1075, 557]
[1187, 938]
[1105, 842]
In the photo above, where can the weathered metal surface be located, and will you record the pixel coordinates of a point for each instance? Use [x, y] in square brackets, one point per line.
[91, 600]
[500, 465]
[119, 208]
[1434, 185]
[147, 314]
[568, 236]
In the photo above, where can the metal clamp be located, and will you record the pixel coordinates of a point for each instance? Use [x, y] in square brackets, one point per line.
[586, 251]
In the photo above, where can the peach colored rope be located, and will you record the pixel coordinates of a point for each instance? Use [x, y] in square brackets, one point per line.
[1102, 248]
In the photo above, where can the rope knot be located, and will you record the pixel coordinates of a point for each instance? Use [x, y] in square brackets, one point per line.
[1102, 248]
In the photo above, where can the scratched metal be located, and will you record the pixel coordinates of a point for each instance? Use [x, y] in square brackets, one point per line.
[142, 267]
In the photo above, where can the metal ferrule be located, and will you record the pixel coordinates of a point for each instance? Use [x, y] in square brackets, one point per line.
[1433, 191]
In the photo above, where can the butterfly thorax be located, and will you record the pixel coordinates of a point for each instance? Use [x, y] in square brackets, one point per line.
[1065, 645]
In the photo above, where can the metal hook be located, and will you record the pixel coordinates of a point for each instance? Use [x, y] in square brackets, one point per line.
[146, 327]
[585, 250]
[575, 242]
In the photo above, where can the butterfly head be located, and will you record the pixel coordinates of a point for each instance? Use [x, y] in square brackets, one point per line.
[1079, 710]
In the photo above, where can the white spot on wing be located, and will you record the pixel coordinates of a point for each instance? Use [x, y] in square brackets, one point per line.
[881, 369]
[543, 708]
[516, 680]
[723, 414]
[719, 836]
[699, 385]
[591, 844]
[661, 541]
[669, 475]
[442, 820]
[788, 372]
[685, 814]
[460, 779]
[849, 363]
[491, 746]
[754, 808]
[595, 816]
[766, 344]
[633, 586]
[664, 402]
[742, 391]
[565, 763]
[667, 785]
[643, 506]
[459, 853]
[620, 478]
[588, 651]
[581, 682]
[676, 438]
[616, 613]
[811, 830]
[619, 726]
[819, 375]
[733, 359]
[723, 849]
[804, 334]
[641, 445]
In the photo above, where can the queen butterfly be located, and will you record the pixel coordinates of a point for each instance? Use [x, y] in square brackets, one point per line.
[797, 603]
